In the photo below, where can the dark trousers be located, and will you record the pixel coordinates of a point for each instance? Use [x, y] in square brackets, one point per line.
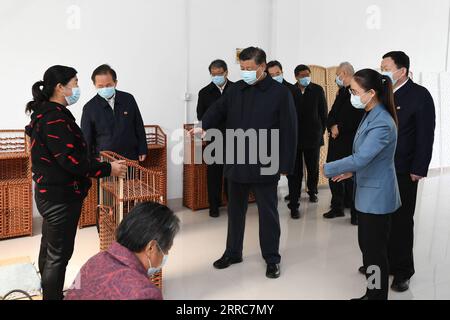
[269, 222]
[373, 237]
[311, 157]
[342, 195]
[214, 175]
[58, 236]
[401, 242]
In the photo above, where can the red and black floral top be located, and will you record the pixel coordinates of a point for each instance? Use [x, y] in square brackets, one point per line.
[59, 156]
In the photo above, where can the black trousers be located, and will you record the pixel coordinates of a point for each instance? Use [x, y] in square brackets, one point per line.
[58, 236]
[214, 175]
[373, 237]
[269, 222]
[311, 157]
[401, 242]
[342, 195]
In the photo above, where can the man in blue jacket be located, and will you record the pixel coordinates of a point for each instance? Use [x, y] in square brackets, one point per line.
[416, 116]
[111, 120]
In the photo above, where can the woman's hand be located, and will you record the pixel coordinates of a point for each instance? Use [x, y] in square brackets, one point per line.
[118, 169]
[342, 177]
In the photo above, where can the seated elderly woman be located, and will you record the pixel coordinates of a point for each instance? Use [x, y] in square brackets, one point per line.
[144, 238]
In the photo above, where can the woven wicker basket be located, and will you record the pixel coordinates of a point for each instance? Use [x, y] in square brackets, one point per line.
[16, 206]
[119, 196]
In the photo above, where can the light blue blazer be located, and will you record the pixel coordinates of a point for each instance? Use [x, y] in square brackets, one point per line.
[372, 164]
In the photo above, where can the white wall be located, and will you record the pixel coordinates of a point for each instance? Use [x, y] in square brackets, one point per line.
[161, 48]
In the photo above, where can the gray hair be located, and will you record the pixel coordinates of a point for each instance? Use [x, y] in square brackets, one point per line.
[347, 66]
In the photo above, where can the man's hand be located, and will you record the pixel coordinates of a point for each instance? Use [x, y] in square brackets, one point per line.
[142, 157]
[415, 178]
[343, 177]
[334, 131]
[197, 131]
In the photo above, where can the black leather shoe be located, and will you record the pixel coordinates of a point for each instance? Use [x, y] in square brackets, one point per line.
[286, 198]
[214, 213]
[354, 220]
[273, 271]
[313, 198]
[295, 214]
[334, 213]
[400, 285]
[225, 262]
[362, 270]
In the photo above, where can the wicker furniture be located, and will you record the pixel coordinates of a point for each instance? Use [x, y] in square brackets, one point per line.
[195, 188]
[118, 196]
[16, 206]
[156, 160]
[157, 155]
[89, 210]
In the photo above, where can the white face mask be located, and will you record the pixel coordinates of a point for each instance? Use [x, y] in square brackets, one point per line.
[249, 76]
[357, 102]
[153, 270]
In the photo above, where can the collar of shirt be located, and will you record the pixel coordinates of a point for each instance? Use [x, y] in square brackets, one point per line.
[398, 88]
[111, 101]
[221, 89]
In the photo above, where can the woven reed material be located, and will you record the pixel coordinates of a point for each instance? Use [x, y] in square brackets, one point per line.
[16, 206]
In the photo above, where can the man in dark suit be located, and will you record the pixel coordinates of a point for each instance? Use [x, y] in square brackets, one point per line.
[111, 120]
[206, 97]
[417, 120]
[264, 107]
[342, 124]
[275, 70]
[312, 113]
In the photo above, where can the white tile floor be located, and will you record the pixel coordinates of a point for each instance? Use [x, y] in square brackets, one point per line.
[319, 258]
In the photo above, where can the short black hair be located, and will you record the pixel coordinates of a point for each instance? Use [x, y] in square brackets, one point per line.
[217, 64]
[148, 221]
[274, 63]
[253, 53]
[104, 69]
[400, 58]
[301, 68]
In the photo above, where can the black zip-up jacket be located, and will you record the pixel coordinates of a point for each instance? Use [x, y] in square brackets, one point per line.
[60, 162]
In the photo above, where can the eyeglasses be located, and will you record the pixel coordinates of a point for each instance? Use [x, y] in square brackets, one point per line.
[353, 92]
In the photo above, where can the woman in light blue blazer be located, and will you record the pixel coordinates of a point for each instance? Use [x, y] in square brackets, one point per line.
[372, 167]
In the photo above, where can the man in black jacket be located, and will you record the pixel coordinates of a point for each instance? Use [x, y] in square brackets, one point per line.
[275, 70]
[206, 97]
[343, 122]
[256, 105]
[312, 119]
[417, 120]
[111, 120]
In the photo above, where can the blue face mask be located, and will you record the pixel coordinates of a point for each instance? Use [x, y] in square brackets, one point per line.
[218, 80]
[278, 78]
[339, 82]
[357, 103]
[304, 82]
[74, 97]
[249, 76]
[152, 270]
[106, 93]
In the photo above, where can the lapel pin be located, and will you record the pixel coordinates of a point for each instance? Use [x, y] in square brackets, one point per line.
[398, 108]
[125, 113]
